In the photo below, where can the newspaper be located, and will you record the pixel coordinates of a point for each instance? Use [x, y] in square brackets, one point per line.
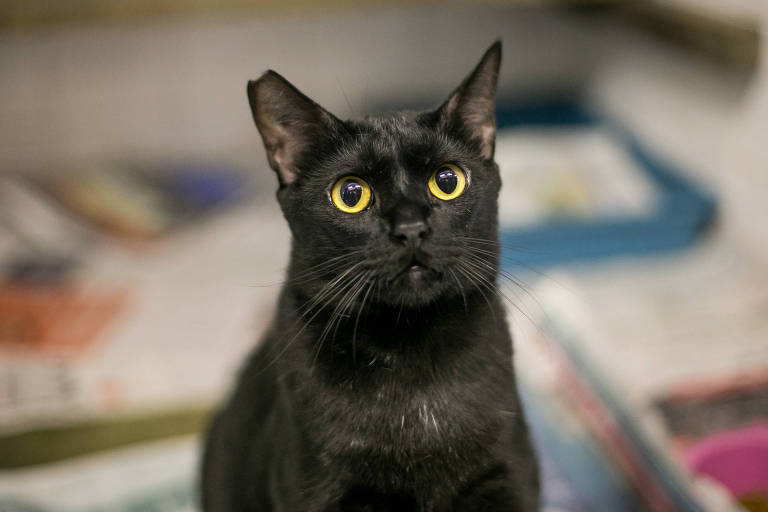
[635, 332]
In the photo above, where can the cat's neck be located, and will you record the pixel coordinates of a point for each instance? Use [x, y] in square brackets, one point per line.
[385, 336]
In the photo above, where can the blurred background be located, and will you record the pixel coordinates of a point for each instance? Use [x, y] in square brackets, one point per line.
[141, 246]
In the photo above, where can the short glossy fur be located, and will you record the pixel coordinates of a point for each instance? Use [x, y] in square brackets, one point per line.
[385, 382]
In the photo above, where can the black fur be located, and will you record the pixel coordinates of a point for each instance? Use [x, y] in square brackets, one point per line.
[385, 382]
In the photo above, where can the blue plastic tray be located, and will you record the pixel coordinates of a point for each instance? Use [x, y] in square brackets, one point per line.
[684, 209]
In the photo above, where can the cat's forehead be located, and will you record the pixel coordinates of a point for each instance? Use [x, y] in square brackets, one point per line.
[400, 138]
[392, 122]
[396, 149]
[395, 129]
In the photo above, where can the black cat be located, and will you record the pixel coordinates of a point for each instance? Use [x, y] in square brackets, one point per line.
[385, 382]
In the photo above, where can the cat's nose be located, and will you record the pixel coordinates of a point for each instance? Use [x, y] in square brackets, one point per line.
[409, 223]
[410, 233]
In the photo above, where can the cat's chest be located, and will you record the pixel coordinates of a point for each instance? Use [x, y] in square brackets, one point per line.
[399, 423]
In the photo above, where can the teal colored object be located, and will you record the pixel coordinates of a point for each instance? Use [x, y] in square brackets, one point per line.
[684, 209]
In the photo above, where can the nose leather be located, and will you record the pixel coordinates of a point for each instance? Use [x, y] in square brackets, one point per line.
[409, 224]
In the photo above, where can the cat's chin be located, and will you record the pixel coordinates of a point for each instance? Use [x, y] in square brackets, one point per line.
[416, 286]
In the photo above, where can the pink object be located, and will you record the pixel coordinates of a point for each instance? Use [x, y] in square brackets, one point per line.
[737, 458]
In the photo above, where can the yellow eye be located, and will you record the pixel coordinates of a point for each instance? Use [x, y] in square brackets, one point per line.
[351, 194]
[447, 182]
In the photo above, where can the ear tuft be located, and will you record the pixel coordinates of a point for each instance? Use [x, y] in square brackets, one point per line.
[470, 108]
[288, 121]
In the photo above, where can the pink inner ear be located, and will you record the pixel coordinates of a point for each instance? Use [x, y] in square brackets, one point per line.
[279, 152]
[487, 135]
[284, 167]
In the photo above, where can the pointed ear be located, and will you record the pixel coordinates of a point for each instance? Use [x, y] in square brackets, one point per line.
[288, 121]
[470, 109]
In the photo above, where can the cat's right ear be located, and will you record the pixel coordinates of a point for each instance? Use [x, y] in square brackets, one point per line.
[470, 108]
[288, 121]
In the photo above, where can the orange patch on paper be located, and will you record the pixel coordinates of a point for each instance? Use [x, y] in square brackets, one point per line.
[54, 320]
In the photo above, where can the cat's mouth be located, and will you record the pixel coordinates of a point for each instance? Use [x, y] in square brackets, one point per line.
[415, 280]
[417, 270]
[417, 276]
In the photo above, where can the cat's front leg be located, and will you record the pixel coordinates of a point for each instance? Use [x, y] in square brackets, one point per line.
[497, 490]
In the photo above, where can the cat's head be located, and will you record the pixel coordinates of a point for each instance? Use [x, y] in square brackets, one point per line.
[397, 208]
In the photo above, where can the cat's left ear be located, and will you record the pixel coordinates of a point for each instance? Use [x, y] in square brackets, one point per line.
[470, 108]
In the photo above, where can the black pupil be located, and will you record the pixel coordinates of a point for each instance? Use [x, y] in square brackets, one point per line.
[446, 180]
[351, 192]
